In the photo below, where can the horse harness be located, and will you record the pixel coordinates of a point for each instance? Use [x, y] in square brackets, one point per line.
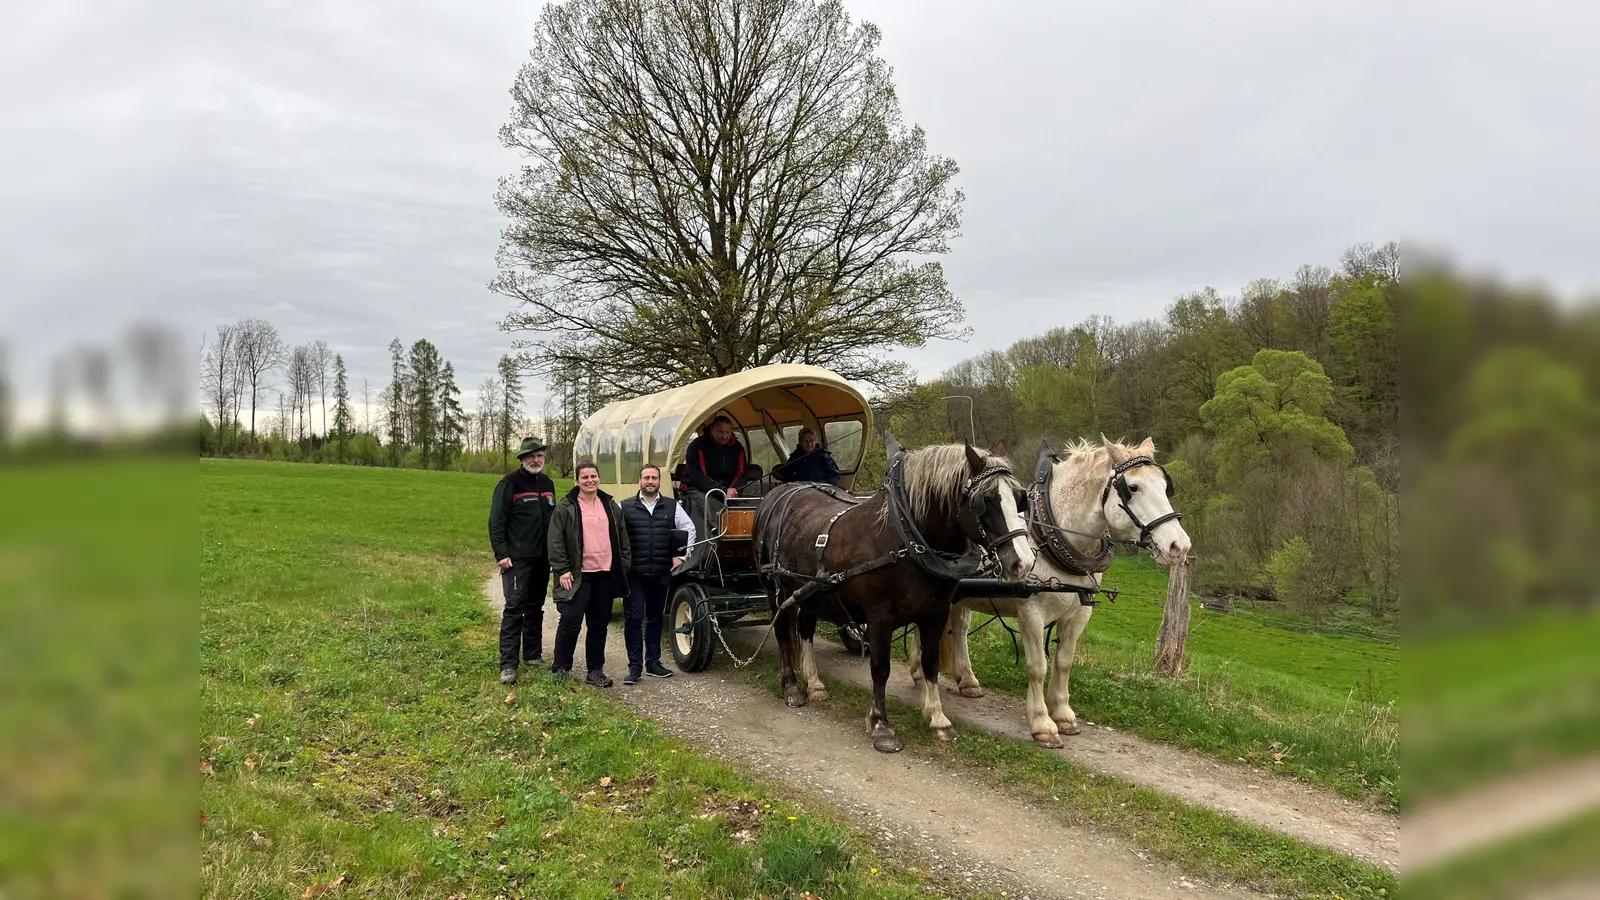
[1052, 536]
[912, 544]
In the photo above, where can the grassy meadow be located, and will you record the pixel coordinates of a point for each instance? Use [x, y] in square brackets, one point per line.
[1265, 689]
[353, 734]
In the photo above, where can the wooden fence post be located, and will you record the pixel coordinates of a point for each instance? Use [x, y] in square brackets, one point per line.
[1174, 620]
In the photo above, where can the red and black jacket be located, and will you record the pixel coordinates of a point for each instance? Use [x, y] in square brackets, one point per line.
[712, 465]
[519, 516]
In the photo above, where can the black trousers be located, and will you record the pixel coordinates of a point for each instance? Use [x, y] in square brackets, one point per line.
[590, 604]
[522, 623]
[641, 618]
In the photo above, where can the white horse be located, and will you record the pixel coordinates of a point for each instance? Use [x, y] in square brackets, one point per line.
[1096, 490]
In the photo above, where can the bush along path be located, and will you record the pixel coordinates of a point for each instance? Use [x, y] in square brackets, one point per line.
[961, 827]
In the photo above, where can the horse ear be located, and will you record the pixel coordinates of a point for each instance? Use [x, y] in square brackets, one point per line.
[1116, 451]
[999, 448]
[1148, 448]
[974, 461]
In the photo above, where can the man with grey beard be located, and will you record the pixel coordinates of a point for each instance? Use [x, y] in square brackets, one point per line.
[519, 522]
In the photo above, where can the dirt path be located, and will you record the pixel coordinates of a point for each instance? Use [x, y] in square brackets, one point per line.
[1501, 810]
[1294, 808]
[908, 804]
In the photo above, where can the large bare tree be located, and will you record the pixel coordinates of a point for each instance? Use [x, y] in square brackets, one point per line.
[715, 185]
[260, 351]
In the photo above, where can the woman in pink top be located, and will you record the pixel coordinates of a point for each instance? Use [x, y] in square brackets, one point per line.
[589, 556]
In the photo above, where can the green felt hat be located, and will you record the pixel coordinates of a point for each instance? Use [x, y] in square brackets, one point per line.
[531, 445]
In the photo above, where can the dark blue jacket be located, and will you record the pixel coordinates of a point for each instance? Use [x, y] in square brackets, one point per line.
[818, 465]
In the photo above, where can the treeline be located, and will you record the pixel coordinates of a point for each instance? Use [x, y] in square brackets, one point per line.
[1277, 413]
[266, 399]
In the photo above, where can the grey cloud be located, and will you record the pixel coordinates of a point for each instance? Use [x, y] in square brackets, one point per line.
[331, 166]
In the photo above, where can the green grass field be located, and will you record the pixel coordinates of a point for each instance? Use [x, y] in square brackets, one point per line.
[351, 726]
[1262, 689]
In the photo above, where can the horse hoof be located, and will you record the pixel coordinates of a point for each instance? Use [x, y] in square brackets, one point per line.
[971, 691]
[795, 700]
[945, 734]
[818, 694]
[1048, 741]
[889, 743]
[1069, 728]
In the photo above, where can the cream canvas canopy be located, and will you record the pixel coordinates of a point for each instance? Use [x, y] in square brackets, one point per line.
[769, 405]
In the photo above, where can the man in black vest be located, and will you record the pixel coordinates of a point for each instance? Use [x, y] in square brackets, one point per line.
[519, 523]
[650, 518]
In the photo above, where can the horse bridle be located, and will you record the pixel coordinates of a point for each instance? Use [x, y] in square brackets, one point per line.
[1119, 480]
[974, 505]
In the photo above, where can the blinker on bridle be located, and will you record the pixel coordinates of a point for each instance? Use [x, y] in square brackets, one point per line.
[974, 505]
[1119, 480]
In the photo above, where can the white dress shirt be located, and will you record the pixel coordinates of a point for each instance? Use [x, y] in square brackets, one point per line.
[680, 520]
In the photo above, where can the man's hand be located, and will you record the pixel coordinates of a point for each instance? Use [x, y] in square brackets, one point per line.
[505, 564]
[733, 492]
[677, 561]
[566, 581]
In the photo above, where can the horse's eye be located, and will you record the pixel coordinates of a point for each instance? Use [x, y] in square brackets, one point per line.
[1133, 489]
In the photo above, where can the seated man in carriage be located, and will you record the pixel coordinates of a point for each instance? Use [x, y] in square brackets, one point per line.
[809, 461]
[716, 459]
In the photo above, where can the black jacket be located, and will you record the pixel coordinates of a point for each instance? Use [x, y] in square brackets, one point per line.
[566, 545]
[818, 465]
[650, 534]
[712, 465]
[519, 516]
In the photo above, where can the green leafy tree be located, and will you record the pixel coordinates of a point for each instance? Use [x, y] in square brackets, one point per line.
[1271, 414]
[1366, 355]
[715, 185]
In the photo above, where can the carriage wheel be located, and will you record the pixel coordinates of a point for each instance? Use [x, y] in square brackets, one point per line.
[852, 637]
[690, 619]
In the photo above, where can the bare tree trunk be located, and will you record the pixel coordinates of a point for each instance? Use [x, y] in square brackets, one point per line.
[1174, 620]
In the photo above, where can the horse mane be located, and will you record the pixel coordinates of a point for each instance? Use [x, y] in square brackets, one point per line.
[936, 476]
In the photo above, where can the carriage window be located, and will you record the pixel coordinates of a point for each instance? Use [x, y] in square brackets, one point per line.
[661, 443]
[632, 451]
[844, 441]
[605, 456]
[791, 435]
[583, 448]
[759, 446]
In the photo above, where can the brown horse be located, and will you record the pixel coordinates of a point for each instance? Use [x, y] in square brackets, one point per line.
[891, 560]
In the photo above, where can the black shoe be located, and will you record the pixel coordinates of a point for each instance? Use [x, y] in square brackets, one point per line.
[535, 660]
[633, 676]
[561, 674]
[597, 678]
[655, 669]
[508, 675]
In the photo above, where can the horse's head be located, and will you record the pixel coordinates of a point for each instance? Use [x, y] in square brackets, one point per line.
[991, 513]
[1137, 502]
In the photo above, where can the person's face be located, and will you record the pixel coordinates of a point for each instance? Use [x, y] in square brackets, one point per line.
[649, 482]
[534, 462]
[722, 433]
[808, 441]
[588, 481]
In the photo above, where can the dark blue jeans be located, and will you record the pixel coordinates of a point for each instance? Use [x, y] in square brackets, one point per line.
[647, 600]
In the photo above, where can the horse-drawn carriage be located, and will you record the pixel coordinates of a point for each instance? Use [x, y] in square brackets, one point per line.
[718, 587]
[951, 531]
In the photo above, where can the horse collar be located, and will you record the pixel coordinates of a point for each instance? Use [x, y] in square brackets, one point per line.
[1047, 533]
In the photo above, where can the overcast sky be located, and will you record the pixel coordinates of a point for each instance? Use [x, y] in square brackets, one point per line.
[330, 166]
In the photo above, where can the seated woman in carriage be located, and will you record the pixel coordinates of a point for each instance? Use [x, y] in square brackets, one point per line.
[809, 461]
